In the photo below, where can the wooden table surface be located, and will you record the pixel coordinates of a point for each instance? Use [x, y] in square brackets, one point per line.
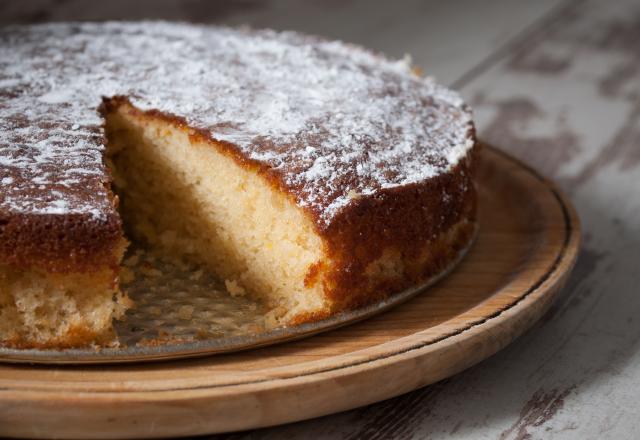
[556, 83]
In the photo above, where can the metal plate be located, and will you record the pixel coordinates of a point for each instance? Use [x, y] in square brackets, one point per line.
[182, 311]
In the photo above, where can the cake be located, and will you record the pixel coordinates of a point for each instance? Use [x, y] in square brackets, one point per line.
[312, 174]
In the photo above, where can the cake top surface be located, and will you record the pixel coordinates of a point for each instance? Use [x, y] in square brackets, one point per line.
[330, 119]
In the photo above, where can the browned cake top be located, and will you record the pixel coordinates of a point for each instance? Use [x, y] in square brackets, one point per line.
[331, 121]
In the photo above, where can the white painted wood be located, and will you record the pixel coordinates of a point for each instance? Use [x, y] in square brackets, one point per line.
[564, 95]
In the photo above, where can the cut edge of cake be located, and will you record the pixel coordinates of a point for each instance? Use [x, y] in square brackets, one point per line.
[44, 308]
[183, 195]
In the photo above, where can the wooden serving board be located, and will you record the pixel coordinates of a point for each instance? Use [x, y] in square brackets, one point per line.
[527, 244]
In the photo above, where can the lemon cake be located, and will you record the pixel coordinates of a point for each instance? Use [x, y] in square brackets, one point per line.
[312, 174]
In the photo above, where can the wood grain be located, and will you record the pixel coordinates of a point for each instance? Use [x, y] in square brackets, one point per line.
[555, 83]
[528, 242]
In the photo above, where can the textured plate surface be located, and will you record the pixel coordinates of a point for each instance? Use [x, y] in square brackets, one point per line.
[183, 311]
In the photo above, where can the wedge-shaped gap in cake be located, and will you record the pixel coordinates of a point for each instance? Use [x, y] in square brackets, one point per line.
[181, 195]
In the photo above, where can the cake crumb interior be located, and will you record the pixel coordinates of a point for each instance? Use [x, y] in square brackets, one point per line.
[184, 197]
[39, 309]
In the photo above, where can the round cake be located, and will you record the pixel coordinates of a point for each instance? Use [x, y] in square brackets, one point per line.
[312, 174]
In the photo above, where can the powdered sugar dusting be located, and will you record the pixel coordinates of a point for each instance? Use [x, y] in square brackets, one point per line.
[313, 111]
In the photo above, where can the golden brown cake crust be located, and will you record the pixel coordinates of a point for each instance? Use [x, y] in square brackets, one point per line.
[72, 243]
[408, 220]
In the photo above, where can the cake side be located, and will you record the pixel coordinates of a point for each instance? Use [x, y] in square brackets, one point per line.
[60, 243]
[59, 278]
[40, 309]
[407, 233]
